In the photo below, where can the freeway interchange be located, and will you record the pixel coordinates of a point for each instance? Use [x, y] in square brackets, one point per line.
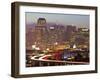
[58, 58]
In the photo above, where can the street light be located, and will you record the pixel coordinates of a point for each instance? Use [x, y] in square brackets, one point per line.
[74, 46]
[37, 48]
[56, 43]
[47, 49]
[33, 46]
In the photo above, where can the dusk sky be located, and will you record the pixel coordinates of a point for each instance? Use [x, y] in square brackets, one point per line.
[64, 19]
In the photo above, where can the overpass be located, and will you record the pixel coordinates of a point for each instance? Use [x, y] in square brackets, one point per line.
[37, 63]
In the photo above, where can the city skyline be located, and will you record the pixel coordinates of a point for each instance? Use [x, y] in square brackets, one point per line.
[64, 19]
[52, 42]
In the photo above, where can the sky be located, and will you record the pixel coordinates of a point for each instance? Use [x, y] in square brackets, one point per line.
[64, 19]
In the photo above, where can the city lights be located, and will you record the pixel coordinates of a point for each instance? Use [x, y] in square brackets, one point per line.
[33, 46]
[58, 43]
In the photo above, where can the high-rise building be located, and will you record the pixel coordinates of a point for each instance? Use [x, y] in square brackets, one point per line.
[41, 22]
[69, 32]
[82, 37]
[40, 33]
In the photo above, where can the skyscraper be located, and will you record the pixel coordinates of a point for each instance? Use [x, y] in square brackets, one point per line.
[40, 33]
